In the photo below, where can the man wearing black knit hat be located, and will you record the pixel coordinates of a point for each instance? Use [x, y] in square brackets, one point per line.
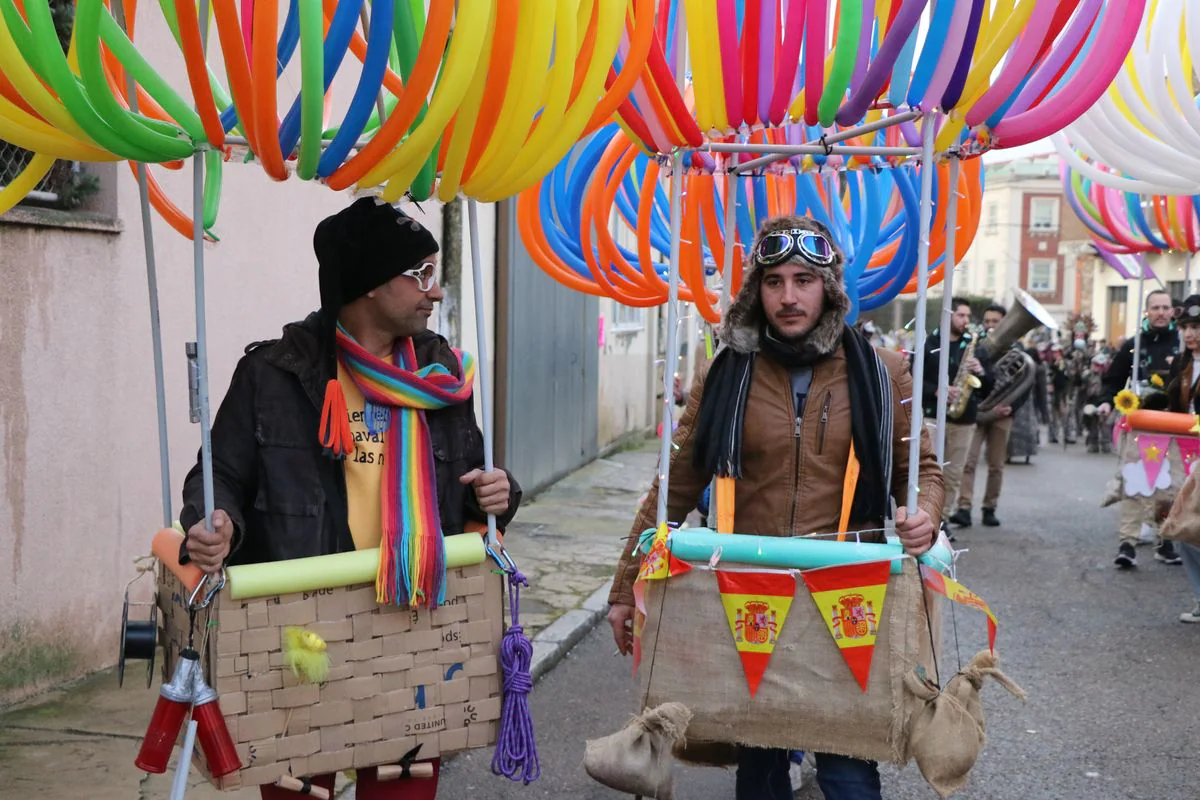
[318, 425]
[795, 402]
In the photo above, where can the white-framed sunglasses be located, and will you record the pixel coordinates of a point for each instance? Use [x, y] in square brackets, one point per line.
[780, 246]
[425, 274]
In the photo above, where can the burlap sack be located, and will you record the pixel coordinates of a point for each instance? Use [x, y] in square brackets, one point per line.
[946, 736]
[1114, 491]
[1183, 520]
[637, 759]
[808, 698]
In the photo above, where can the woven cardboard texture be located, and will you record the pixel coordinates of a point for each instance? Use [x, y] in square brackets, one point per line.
[398, 678]
[808, 699]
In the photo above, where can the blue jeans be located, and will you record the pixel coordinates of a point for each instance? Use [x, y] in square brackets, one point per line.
[762, 774]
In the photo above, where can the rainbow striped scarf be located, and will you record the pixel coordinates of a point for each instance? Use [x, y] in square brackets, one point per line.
[412, 554]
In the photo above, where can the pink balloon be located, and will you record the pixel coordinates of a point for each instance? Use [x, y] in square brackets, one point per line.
[1093, 77]
[731, 61]
[789, 61]
[1028, 45]
[814, 58]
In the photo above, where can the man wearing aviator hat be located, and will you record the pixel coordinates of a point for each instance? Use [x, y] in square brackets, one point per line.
[794, 398]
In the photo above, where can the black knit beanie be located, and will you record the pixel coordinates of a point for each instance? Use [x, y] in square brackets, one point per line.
[363, 247]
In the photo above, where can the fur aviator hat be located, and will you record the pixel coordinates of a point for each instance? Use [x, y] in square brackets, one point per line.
[745, 319]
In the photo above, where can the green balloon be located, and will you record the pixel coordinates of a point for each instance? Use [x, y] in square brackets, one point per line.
[157, 137]
[844, 55]
[312, 88]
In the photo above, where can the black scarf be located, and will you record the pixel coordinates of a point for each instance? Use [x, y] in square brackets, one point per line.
[718, 442]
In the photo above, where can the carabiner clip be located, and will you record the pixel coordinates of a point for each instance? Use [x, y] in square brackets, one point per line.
[210, 594]
[503, 560]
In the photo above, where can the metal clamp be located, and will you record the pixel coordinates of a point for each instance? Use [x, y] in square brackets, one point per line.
[193, 354]
[210, 594]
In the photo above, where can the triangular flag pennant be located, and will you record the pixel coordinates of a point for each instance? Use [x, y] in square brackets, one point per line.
[658, 563]
[1152, 449]
[1189, 449]
[953, 590]
[756, 605]
[850, 600]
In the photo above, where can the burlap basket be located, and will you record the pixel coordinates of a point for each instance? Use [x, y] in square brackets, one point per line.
[398, 677]
[808, 699]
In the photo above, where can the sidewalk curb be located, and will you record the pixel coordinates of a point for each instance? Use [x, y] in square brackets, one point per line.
[556, 640]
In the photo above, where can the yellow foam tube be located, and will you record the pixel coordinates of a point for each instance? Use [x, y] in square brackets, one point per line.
[339, 569]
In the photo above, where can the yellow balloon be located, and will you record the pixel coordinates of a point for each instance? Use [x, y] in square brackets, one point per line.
[464, 125]
[526, 91]
[464, 58]
[538, 159]
[558, 94]
[701, 61]
[30, 87]
[31, 133]
[23, 184]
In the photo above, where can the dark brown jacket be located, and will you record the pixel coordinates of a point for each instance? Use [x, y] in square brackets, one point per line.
[791, 484]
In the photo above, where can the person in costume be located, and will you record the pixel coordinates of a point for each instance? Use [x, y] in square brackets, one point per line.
[1158, 350]
[994, 434]
[325, 433]
[778, 408]
[959, 431]
[1097, 425]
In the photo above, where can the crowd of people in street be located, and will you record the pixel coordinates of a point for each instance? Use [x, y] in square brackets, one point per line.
[1071, 400]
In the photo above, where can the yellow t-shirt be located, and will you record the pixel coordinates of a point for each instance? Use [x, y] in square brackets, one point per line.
[364, 471]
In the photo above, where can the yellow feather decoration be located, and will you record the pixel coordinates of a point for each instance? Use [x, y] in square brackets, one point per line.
[304, 652]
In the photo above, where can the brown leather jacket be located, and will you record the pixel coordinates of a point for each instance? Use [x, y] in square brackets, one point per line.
[792, 481]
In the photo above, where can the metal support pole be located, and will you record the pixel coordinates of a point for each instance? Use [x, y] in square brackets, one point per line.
[731, 193]
[949, 264]
[1187, 275]
[918, 371]
[672, 352]
[164, 456]
[834, 138]
[206, 466]
[484, 366]
[366, 32]
[818, 150]
[1137, 331]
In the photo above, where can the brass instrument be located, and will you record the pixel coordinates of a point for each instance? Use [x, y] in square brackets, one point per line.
[964, 380]
[1015, 371]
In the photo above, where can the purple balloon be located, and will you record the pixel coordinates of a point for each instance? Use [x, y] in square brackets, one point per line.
[959, 79]
[881, 68]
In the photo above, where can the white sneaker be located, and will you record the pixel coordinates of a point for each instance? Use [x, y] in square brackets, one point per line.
[1191, 616]
[1148, 534]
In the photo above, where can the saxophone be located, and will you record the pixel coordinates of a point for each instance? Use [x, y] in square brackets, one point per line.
[964, 380]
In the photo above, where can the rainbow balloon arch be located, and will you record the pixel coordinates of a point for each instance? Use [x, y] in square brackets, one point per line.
[869, 114]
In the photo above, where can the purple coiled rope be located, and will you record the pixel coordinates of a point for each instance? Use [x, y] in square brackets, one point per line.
[516, 755]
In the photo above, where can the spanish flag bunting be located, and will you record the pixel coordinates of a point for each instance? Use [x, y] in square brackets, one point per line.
[952, 589]
[658, 563]
[850, 600]
[756, 606]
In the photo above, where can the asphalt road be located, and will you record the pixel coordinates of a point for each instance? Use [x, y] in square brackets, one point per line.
[1113, 711]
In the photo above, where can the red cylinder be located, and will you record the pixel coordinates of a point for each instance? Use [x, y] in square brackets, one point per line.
[215, 741]
[161, 735]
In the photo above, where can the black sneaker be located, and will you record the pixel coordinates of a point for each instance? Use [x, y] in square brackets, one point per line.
[961, 518]
[1126, 556]
[989, 518]
[1166, 553]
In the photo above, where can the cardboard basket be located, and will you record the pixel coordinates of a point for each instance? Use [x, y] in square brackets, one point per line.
[398, 677]
[808, 698]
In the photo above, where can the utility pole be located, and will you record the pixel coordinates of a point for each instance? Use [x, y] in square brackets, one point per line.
[449, 312]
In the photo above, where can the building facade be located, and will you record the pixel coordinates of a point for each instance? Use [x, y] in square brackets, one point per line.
[1024, 223]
